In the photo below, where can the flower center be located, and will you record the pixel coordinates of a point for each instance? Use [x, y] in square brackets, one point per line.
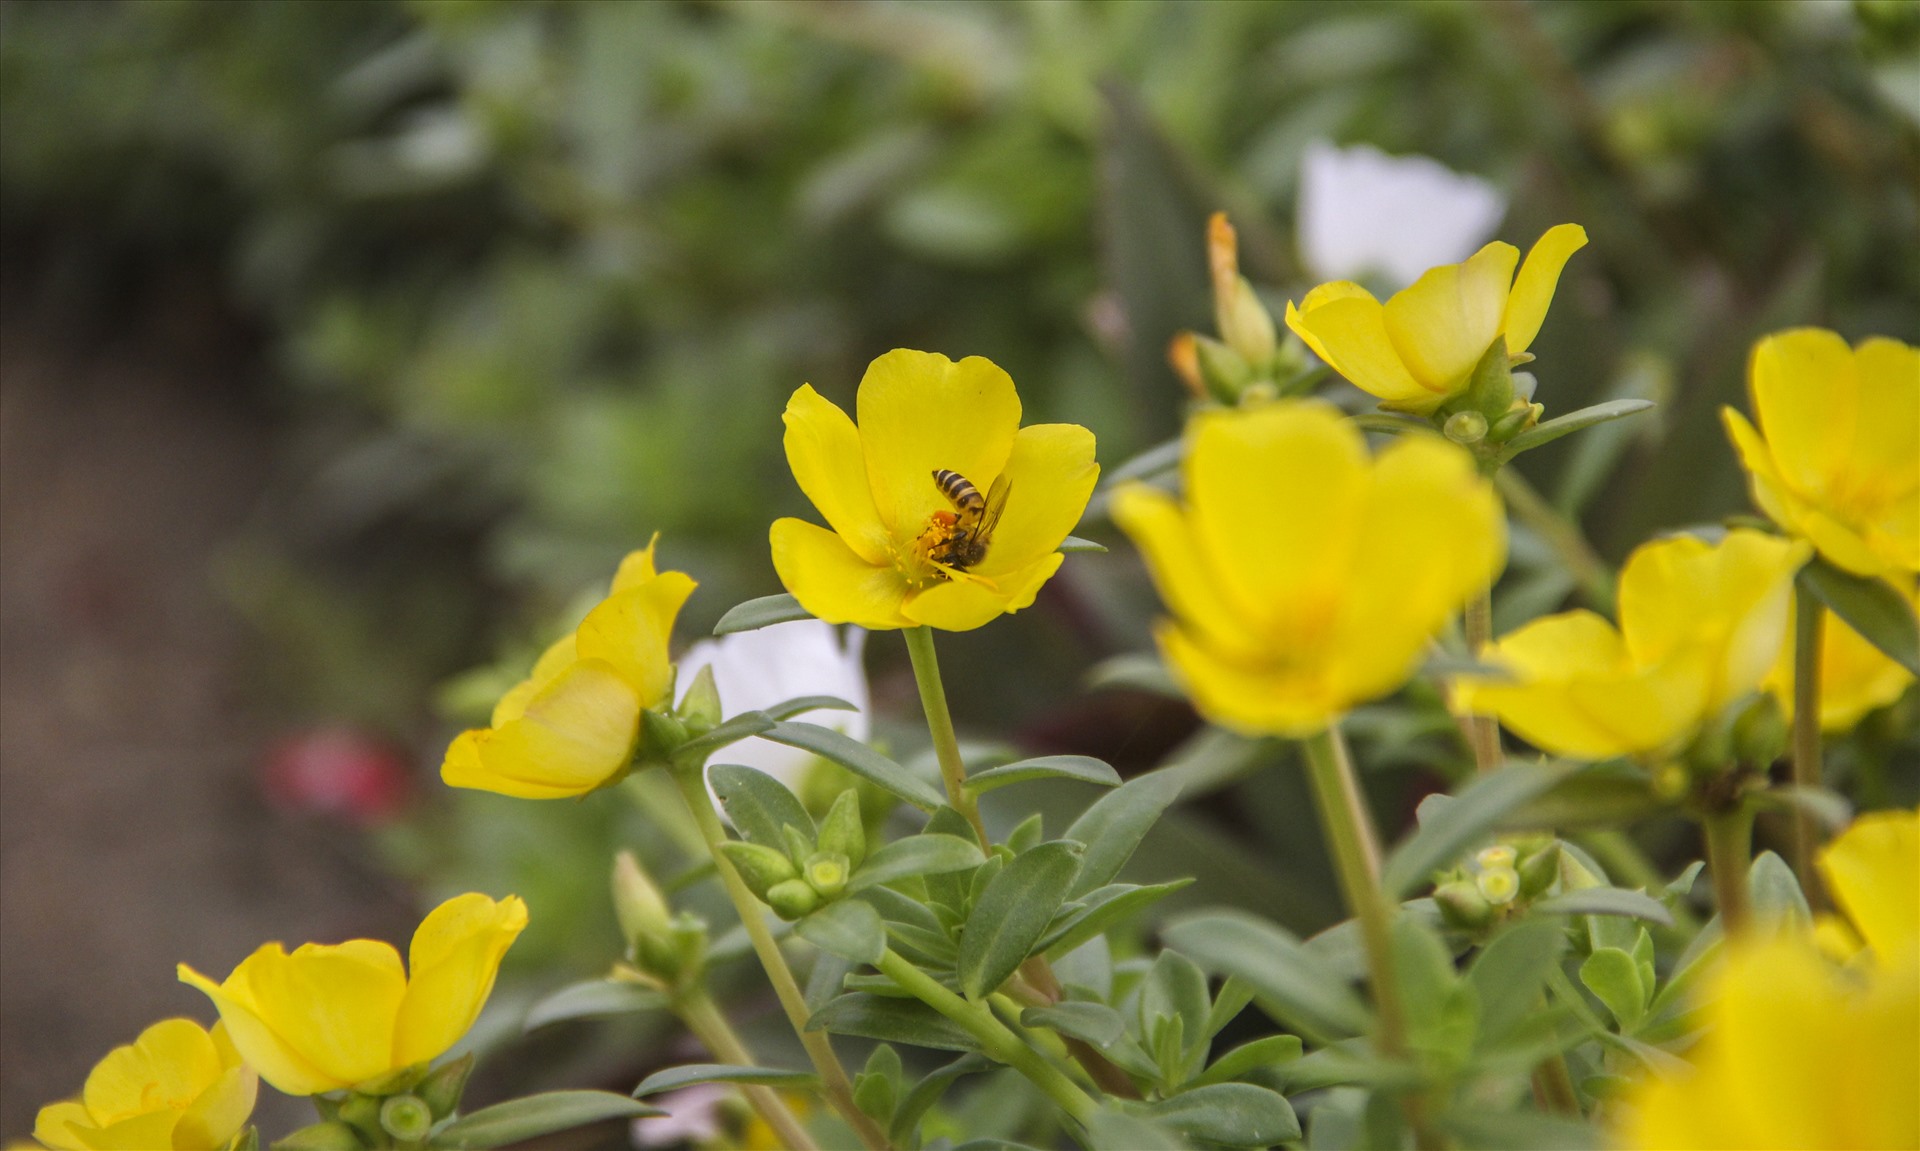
[931, 548]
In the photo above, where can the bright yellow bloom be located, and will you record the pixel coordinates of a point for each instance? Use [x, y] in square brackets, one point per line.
[573, 725]
[1418, 350]
[176, 1087]
[1796, 1056]
[1304, 576]
[1837, 456]
[874, 485]
[1873, 871]
[1855, 676]
[1699, 626]
[333, 1016]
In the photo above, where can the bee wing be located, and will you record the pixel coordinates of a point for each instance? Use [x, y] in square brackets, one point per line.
[996, 503]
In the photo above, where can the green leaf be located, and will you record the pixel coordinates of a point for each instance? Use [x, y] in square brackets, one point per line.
[1600, 796]
[691, 1073]
[1607, 901]
[1011, 915]
[1870, 606]
[1134, 671]
[1113, 1127]
[916, 855]
[927, 1092]
[1828, 808]
[1442, 1010]
[1074, 544]
[1479, 1129]
[1291, 983]
[1390, 423]
[891, 1020]
[1176, 990]
[1230, 1114]
[518, 1120]
[858, 758]
[1249, 1057]
[1096, 1023]
[1116, 823]
[742, 726]
[1100, 909]
[1084, 768]
[1614, 978]
[1448, 828]
[1511, 970]
[594, 999]
[1227, 1006]
[758, 613]
[801, 704]
[1551, 430]
[849, 928]
[759, 805]
[1776, 894]
[1155, 461]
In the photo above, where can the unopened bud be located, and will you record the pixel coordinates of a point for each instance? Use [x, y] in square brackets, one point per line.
[700, 706]
[362, 1112]
[1498, 885]
[827, 873]
[1244, 322]
[1539, 870]
[1671, 781]
[443, 1088]
[1760, 731]
[1516, 420]
[759, 865]
[329, 1136]
[1499, 855]
[1468, 427]
[842, 830]
[406, 1118]
[1225, 372]
[1183, 356]
[1524, 383]
[792, 899]
[1462, 905]
[637, 903]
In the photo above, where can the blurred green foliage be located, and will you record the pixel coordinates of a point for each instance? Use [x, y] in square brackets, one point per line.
[536, 278]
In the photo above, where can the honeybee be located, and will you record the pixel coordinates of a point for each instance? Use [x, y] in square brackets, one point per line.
[971, 524]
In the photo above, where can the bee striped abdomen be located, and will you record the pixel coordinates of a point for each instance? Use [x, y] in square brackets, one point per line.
[959, 490]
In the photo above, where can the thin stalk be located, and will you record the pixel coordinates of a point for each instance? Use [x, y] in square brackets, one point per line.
[995, 1039]
[1553, 1086]
[1809, 620]
[1483, 731]
[704, 1018]
[1356, 856]
[1590, 573]
[946, 745]
[833, 1077]
[1729, 851]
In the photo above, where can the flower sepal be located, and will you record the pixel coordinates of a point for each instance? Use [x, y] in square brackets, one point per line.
[327, 1135]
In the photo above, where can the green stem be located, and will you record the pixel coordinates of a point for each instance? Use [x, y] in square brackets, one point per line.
[1809, 621]
[703, 1017]
[1729, 851]
[1553, 1086]
[1590, 573]
[995, 1039]
[833, 1077]
[946, 745]
[1483, 731]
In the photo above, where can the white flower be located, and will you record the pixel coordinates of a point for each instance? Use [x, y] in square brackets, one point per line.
[756, 669]
[1363, 212]
[693, 1115]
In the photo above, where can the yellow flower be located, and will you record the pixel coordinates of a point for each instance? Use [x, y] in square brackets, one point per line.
[1304, 576]
[573, 725]
[334, 1016]
[882, 564]
[1699, 626]
[1855, 676]
[1873, 871]
[1837, 456]
[176, 1087]
[1795, 1056]
[1418, 350]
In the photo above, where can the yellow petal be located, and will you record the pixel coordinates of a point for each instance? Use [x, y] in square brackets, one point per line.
[334, 1003]
[921, 412]
[962, 605]
[575, 736]
[138, 1133]
[257, 1039]
[1873, 870]
[1449, 317]
[1189, 586]
[631, 630]
[220, 1111]
[54, 1125]
[831, 580]
[636, 568]
[1806, 396]
[1274, 495]
[551, 663]
[1855, 676]
[168, 1066]
[1349, 332]
[1533, 289]
[455, 956]
[1052, 474]
[823, 449]
[1253, 699]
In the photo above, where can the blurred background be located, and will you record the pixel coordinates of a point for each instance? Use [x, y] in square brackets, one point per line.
[347, 345]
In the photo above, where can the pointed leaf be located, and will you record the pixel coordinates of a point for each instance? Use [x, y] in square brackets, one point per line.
[1098, 910]
[1291, 983]
[1447, 829]
[1614, 978]
[858, 758]
[742, 726]
[891, 1020]
[849, 928]
[1249, 1057]
[916, 855]
[1871, 607]
[1511, 970]
[759, 613]
[759, 805]
[801, 704]
[1115, 825]
[1157, 460]
[927, 1092]
[519, 1120]
[1230, 1114]
[594, 999]
[1607, 901]
[1096, 1023]
[1013, 912]
[691, 1073]
[1550, 430]
[1084, 768]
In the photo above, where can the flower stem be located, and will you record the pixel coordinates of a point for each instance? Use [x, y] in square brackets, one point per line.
[1483, 731]
[1729, 848]
[704, 1018]
[1809, 620]
[995, 1039]
[946, 745]
[833, 1077]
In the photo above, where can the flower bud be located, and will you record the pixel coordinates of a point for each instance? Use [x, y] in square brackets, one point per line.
[1244, 322]
[1490, 390]
[827, 873]
[759, 865]
[1462, 905]
[362, 1113]
[1514, 422]
[792, 898]
[700, 706]
[663, 734]
[1184, 358]
[442, 1089]
[642, 912]
[1498, 885]
[1224, 371]
[1760, 731]
[1497, 856]
[842, 830]
[1671, 781]
[1524, 383]
[332, 1135]
[406, 1118]
[1539, 870]
[1468, 427]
